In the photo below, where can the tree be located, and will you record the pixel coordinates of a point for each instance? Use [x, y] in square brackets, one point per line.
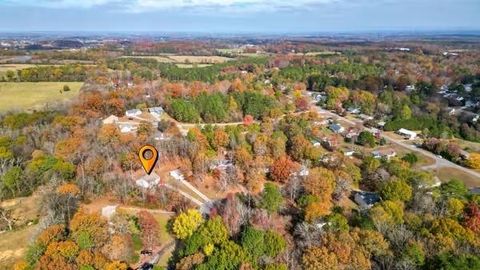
[187, 223]
[320, 182]
[271, 199]
[366, 138]
[282, 169]
[317, 209]
[411, 158]
[336, 96]
[474, 161]
[396, 190]
[149, 229]
[454, 188]
[405, 112]
[387, 212]
[319, 258]
[472, 217]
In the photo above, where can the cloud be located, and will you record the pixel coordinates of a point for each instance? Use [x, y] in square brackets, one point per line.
[155, 5]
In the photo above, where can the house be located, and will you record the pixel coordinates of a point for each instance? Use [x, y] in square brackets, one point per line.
[148, 181]
[222, 164]
[365, 117]
[126, 128]
[381, 124]
[407, 134]
[112, 119]
[336, 128]
[330, 143]
[304, 171]
[349, 152]
[319, 97]
[354, 110]
[464, 154]
[410, 88]
[474, 191]
[316, 143]
[384, 153]
[109, 210]
[352, 134]
[177, 175]
[133, 113]
[156, 110]
[366, 199]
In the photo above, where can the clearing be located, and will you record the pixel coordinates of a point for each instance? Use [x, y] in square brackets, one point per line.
[34, 95]
[185, 59]
[445, 174]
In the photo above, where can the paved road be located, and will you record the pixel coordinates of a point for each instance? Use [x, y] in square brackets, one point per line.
[439, 162]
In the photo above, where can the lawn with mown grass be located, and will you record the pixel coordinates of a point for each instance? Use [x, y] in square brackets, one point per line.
[34, 95]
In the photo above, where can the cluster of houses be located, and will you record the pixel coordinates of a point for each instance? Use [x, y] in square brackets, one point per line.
[132, 119]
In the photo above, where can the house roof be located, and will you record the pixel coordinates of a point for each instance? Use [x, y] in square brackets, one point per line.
[407, 132]
[133, 111]
[336, 127]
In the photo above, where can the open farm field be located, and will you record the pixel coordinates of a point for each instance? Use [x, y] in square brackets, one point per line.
[34, 95]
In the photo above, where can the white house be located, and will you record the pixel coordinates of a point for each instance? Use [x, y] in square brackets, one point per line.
[384, 153]
[133, 113]
[156, 110]
[112, 119]
[407, 134]
[109, 210]
[126, 128]
[148, 181]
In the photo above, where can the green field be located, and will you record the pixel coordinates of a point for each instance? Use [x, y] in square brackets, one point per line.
[34, 95]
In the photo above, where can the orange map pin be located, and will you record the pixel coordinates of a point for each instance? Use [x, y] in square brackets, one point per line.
[148, 156]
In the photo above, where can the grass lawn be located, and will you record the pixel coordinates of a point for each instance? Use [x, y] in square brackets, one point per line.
[13, 245]
[446, 174]
[34, 95]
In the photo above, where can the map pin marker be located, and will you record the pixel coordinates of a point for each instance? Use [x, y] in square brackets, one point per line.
[148, 156]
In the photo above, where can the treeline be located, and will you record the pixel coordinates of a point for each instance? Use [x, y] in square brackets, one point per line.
[67, 73]
[218, 107]
[318, 77]
[151, 69]
[432, 126]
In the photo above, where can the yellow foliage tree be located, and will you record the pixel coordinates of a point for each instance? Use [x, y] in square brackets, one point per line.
[474, 161]
[186, 223]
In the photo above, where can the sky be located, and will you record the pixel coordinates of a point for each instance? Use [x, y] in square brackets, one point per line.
[239, 16]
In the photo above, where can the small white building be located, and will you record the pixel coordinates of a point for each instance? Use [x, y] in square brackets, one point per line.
[126, 128]
[407, 134]
[384, 153]
[148, 181]
[112, 119]
[109, 210]
[133, 113]
[156, 110]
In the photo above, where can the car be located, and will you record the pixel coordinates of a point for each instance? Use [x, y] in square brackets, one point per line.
[146, 252]
[439, 156]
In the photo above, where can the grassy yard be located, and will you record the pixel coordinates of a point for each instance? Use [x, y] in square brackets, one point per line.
[34, 95]
[13, 245]
[446, 174]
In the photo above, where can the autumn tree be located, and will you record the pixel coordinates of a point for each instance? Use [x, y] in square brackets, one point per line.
[186, 223]
[149, 229]
[282, 169]
[474, 161]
